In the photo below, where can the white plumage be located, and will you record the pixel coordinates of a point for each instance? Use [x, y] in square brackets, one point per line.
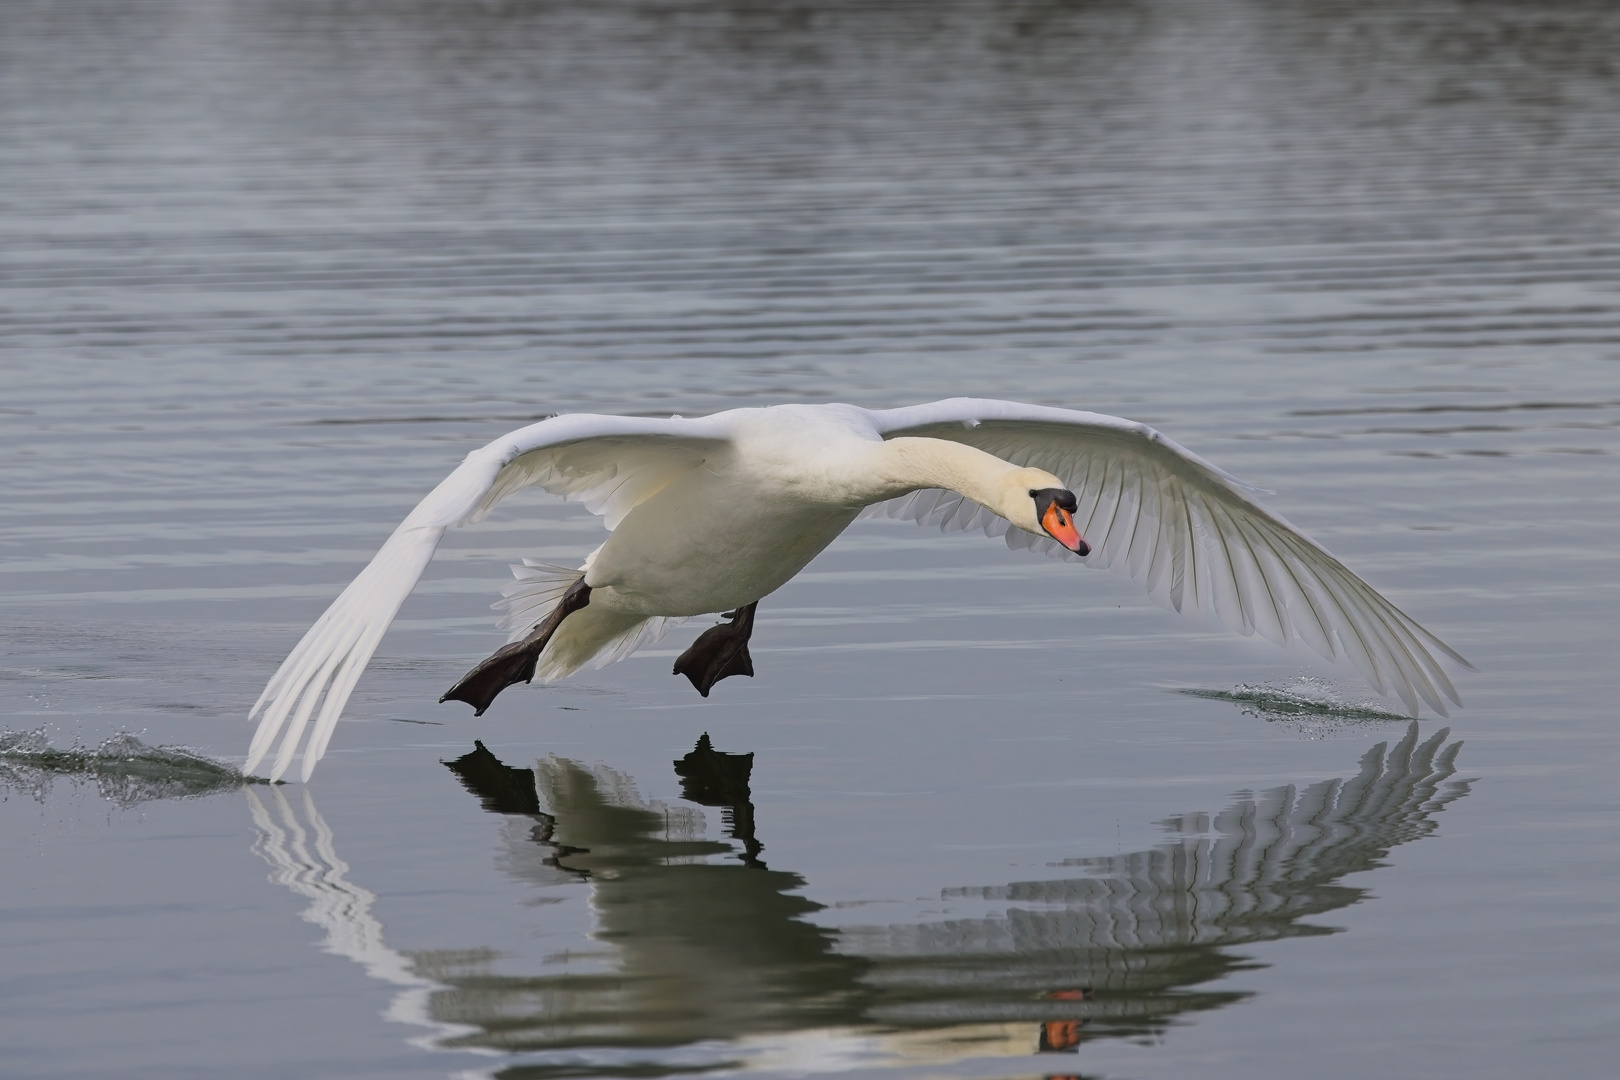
[712, 513]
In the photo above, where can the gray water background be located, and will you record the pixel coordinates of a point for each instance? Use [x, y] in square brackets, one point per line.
[269, 269]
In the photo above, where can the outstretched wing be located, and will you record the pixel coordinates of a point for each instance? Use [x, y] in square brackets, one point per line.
[608, 463]
[1190, 533]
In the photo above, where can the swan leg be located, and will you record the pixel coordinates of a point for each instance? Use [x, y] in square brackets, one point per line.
[720, 651]
[514, 663]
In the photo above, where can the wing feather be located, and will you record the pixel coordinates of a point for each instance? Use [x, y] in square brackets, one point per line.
[609, 463]
[1191, 534]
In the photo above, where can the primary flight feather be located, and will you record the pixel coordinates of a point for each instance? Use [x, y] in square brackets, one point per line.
[713, 513]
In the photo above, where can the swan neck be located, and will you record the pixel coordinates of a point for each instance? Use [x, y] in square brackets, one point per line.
[914, 463]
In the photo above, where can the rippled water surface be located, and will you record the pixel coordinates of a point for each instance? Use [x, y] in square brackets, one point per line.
[269, 268]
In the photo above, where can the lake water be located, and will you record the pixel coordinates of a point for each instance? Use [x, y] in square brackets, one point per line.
[269, 268]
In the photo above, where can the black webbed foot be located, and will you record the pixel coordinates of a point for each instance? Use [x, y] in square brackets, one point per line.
[515, 663]
[720, 651]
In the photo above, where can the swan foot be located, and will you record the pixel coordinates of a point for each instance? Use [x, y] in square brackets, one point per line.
[515, 663]
[720, 651]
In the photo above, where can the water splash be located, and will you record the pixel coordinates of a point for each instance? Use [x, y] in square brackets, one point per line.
[1316, 703]
[124, 769]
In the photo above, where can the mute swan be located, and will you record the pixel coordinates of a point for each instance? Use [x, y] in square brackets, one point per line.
[713, 513]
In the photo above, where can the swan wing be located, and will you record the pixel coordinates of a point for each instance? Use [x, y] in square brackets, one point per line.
[1190, 533]
[608, 463]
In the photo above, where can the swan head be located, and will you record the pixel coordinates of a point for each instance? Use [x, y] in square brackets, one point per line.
[1038, 503]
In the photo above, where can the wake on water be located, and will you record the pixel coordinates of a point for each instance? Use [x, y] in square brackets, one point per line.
[1315, 702]
[124, 769]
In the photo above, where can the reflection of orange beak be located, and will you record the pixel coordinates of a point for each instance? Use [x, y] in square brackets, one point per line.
[1060, 526]
[1059, 1035]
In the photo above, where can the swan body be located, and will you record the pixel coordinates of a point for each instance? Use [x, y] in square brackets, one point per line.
[713, 513]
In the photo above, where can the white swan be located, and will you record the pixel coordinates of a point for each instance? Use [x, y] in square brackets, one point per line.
[711, 514]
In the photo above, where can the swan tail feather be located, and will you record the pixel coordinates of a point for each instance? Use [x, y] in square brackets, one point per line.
[538, 588]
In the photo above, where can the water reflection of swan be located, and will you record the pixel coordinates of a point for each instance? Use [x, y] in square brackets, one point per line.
[1134, 931]
[714, 959]
[338, 905]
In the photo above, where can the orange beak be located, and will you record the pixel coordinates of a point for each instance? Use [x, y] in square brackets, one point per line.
[1060, 526]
